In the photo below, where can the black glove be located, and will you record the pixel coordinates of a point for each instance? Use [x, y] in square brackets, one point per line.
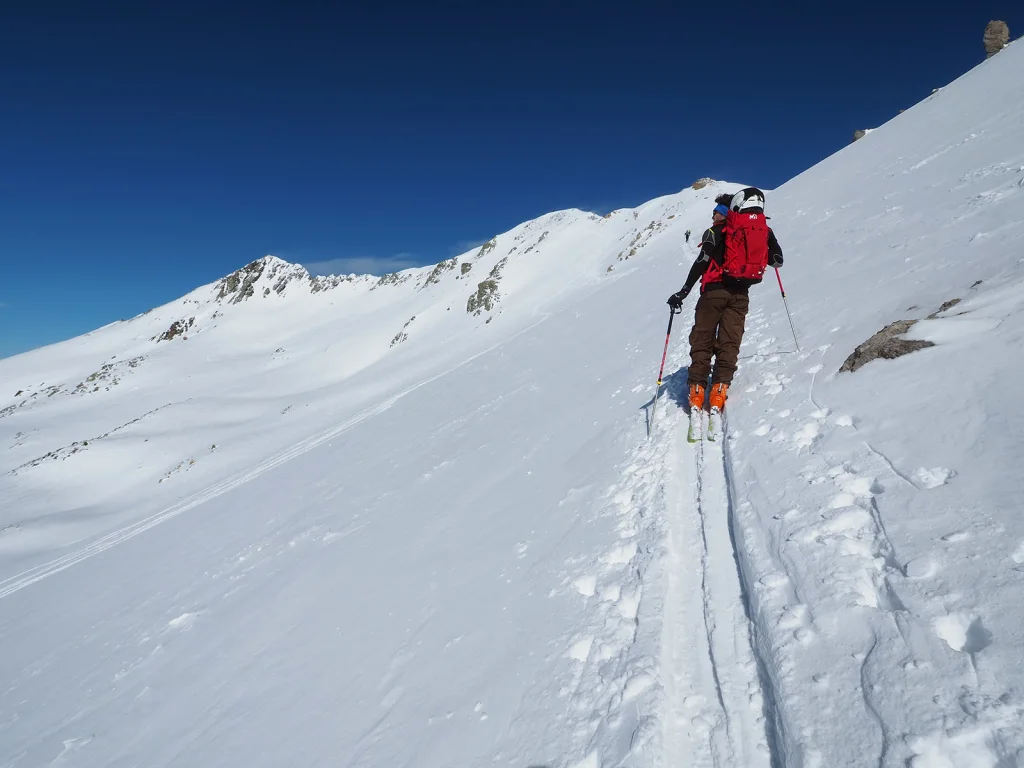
[676, 299]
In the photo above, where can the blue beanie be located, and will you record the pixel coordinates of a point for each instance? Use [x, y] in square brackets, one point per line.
[721, 209]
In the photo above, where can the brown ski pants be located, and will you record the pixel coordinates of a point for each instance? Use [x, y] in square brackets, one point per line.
[717, 330]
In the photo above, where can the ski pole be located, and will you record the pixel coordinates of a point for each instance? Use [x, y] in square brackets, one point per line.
[657, 390]
[786, 303]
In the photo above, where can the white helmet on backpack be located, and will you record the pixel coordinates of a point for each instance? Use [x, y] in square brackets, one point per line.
[751, 197]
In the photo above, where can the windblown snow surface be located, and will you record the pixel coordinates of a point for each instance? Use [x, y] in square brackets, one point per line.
[350, 523]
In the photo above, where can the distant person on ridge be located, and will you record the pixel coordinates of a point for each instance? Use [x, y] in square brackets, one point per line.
[687, 235]
[734, 253]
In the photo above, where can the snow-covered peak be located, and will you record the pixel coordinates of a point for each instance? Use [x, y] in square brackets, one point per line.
[272, 275]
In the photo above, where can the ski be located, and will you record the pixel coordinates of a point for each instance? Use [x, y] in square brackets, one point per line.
[714, 424]
[696, 429]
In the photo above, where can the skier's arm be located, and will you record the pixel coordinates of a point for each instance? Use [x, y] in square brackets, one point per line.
[774, 250]
[711, 247]
[700, 265]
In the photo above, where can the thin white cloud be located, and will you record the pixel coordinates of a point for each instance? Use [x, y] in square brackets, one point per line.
[362, 265]
[465, 246]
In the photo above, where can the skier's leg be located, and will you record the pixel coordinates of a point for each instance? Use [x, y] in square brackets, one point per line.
[702, 336]
[730, 336]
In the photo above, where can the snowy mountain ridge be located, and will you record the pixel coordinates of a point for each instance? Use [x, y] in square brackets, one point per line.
[535, 263]
[421, 523]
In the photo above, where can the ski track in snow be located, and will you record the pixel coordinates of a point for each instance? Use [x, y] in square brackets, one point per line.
[669, 617]
[714, 706]
[44, 570]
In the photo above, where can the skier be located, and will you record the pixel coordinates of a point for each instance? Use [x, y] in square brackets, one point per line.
[687, 235]
[734, 253]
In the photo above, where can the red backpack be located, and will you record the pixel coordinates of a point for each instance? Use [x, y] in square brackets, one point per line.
[746, 247]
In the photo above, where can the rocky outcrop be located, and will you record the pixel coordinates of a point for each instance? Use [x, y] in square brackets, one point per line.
[540, 240]
[178, 328]
[702, 182]
[274, 275]
[238, 286]
[402, 335]
[486, 248]
[109, 375]
[886, 344]
[486, 295]
[392, 278]
[997, 35]
[439, 271]
[484, 299]
[857, 135]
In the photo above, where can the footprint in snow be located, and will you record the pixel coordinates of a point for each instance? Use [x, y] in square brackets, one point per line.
[806, 435]
[586, 585]
[611, 593]
[963, 632]
[580, 650]
[772, 384]
[921, 568]
[636, 685]
[862, 486]
[932, 478]
[629, 605]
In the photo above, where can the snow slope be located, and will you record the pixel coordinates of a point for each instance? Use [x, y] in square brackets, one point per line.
[419, 522]
[877, 513]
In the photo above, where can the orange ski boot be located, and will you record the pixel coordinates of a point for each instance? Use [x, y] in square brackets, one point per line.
[719, 393]
[696, 397]
[696, 430]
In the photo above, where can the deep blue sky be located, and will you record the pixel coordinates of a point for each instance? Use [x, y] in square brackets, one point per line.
[148, 148]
